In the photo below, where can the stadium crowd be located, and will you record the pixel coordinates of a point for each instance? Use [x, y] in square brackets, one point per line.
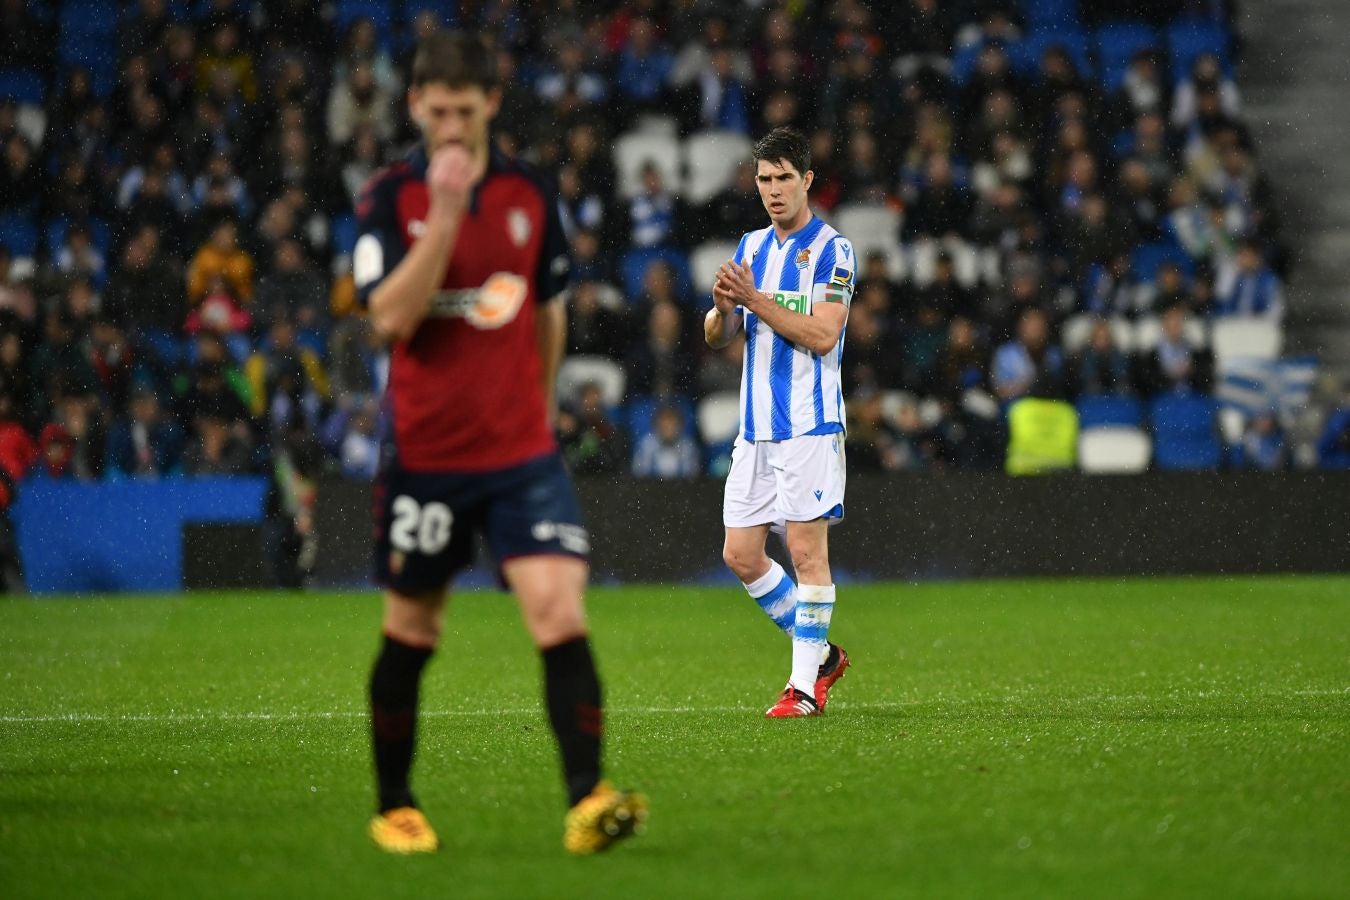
[177, 184]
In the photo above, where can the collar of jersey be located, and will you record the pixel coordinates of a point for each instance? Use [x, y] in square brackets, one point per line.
[812, 225]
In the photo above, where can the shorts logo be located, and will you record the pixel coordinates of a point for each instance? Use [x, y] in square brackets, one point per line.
[518, 223]
[493, 305]
[573, 538]
[804, 258]
[819, 494]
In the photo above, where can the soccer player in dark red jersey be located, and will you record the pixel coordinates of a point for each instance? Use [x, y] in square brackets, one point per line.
[461, 260]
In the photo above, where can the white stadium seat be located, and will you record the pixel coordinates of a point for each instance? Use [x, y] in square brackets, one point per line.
[1075, 332]
[706, 260]
[633, 150]
[711, 158]
[657, 124]
[871, 228]
[1246, 337]
[1114, 450]
[719, 417]
[1122, 332]
[1148, 332]
[576, 371]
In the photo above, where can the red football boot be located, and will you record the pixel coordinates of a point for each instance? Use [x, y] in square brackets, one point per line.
[794, 704]
[830, 672]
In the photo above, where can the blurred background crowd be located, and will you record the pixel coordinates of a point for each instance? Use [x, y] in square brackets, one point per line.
[1057, 199]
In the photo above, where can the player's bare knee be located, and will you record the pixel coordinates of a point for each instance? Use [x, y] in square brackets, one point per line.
[554, 618]
[810, 560]
[746, 565]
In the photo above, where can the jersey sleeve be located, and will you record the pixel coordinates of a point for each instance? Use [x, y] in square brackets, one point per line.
[555, 260]
[378, 247]
[835, 275]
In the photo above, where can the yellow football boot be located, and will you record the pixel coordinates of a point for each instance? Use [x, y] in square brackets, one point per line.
[602, 817]
[403, 830]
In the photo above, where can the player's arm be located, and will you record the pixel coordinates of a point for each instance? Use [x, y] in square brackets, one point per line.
[818, 332]
[401, 301]
[550, 323]
[722, 321]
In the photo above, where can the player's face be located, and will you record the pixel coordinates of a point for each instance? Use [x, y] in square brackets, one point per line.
[447, 115]
[782, 189]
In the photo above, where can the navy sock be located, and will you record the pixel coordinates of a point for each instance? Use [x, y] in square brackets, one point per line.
[572, 692]
[393, 718]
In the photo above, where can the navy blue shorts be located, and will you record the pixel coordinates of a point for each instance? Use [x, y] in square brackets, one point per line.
[427, 523]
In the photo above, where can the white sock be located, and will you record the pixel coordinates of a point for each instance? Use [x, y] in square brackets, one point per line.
[776, 594]
[815, 606]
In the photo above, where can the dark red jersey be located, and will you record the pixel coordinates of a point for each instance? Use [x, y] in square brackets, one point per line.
[465, 389]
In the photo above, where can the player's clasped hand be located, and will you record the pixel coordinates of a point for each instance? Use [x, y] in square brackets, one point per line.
[736, 286]
[450, 178]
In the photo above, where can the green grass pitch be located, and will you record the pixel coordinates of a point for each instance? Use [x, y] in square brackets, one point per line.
[1147, 738]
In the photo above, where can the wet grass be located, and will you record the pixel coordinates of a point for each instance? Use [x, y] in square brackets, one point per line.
[1150, 738]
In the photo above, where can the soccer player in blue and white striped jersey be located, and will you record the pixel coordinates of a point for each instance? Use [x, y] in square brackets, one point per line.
[789, 287]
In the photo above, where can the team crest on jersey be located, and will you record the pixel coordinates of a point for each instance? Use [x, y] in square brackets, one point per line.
[518, 223]
[804, 258]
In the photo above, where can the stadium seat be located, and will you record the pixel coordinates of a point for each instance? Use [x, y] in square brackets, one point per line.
[1114, 450]
[576, 371]
[1117, 44]
[1232, 423]
[1185, 436]
[640, 411]
[1148, 332]
[1243, 336]
[923, 256]
[711, 159]
[1148, 258]
[892, 402]
[1189, 38]
[1122, 332]
[344, 233]
[1076, 331]
[719, 417]
[1027, 55]
[704, 262]
[23, 86]
[19, 234]
[633, 150]
[99, 234]
[872, 228]
[657, 124]
[633, 269]
[1050, 14]
[1114, 410]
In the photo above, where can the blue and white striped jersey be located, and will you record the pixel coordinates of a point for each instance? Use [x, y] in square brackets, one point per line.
[788, 391]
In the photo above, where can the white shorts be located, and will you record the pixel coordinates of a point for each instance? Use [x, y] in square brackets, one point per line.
[800, 479]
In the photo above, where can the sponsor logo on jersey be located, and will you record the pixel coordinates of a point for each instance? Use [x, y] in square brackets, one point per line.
[518, 224]
[491, 306]
[843, 276]
[794, 301]
[804, 258]
[416, 228]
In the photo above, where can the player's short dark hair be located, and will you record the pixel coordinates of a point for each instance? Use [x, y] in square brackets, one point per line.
[457, 59]
[785, 144]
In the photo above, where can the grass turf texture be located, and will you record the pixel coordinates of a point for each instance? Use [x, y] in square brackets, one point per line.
[1147, 738]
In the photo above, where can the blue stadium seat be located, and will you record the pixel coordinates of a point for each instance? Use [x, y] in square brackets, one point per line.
[1148, 258]
[1184, 433]
[1027, 55]
[1051, 13]
[640, 411]
[1110, 410]
[448, 10]
[99, 233]
[344, 234]
[90, 17]
[22, 86]
[1189, 38]
[19, 233]
[1117, 44]
[635, 263]
[381, 12]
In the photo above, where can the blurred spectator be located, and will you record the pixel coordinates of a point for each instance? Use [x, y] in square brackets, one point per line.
[737, 209]
[224, 58]
[1030, 365]
[361, 158]
[18, 454]
[1249, 287]
[73, 441]
[567, 84]
[20, 179]
[666, 452]
[1263, 444]
[578, 207]
[221, 258]
[144, 443]
[596, 325]
[216, 447]
[655, 214]
[662, 363]
[362, 46]
[358, 359]
[1101, 367]
[643, 67]
[1333, 447]
[290, 532]
[1206, 76]
[215, 386]
[145, 293]
[58, 365]
[359, 454]
[721, 370]
[359, 102]
[960, 364]
[288, 383]
[590, 441]
[292, 289]
[943, 208]
[79, 258]
[873, 443]
[1177, 365]
[16, 385]
[16, 298]
[1111, 289]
